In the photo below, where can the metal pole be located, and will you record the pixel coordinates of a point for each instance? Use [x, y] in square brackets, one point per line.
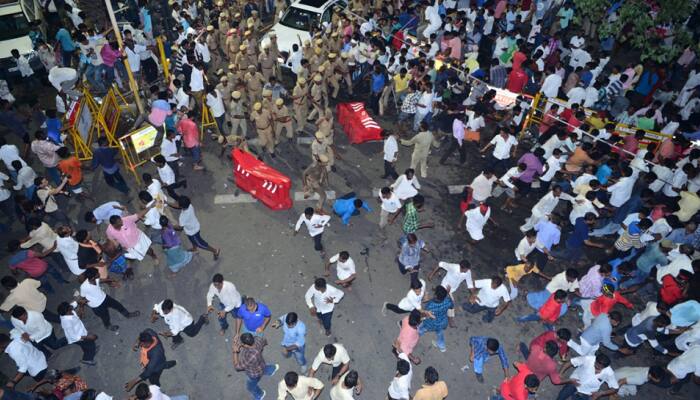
[132, 83]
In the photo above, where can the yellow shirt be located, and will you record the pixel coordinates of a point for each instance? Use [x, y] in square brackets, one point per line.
[401, 84]
[516, 272]
[436, 391]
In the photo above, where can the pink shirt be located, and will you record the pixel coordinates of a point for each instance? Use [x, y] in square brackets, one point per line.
[455, 45]
[591, 284]
[408, 336]
[190, 133]
[129, 233]
[109, 55]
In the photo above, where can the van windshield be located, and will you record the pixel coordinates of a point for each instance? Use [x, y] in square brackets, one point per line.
[297, 18]
[13, 26]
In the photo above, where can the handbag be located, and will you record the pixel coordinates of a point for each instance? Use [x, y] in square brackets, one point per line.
[472, 136]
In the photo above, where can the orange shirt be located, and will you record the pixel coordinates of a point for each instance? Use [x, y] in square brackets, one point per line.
[513, 388]
[71, 167]
[550, 310]
[578, 159]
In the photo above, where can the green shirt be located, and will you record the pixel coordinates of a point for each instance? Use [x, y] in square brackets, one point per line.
[410, 219]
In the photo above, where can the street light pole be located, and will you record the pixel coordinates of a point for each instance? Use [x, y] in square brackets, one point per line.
[132, 83]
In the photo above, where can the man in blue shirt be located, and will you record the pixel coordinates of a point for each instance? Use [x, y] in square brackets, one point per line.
[254, 317]
[481, 348]
[377, 83]
[578, 239]
[104, 156]
[67, 46]
[294, 340]
[349, 205]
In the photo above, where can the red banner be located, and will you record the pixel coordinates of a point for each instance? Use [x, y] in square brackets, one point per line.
[357, 124]
[261, 181]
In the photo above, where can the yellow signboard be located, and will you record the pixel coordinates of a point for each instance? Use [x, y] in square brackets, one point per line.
[144, 138]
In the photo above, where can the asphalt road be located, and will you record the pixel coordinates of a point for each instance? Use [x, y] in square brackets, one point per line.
[262, 258]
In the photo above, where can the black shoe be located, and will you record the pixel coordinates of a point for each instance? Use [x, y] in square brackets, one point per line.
[88, 362]
[113, 328]
[333, 168]
[133, 314]
[170, 364]
[174, 346]
[480, 378]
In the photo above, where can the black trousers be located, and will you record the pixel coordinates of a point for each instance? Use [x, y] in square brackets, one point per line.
[102, 310]
[396, 309]
[51, 342]
[454, 145]
[89, 348]
[191, 330]
[389, 170]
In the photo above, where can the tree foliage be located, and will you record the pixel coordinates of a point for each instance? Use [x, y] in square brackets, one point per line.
[646, 25]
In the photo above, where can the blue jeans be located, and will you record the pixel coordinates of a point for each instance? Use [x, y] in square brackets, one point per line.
[94, 76]
[116, 180]
[440, 334]
[222, 321]
[298, 355]
[477, 308]
[44, 279]
[252, 383]
[53, 175]
[569, 391]
[535, 317]
[196, 154]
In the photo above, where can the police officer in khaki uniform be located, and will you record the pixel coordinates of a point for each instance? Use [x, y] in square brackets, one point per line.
[233, 44]
[300, 102]
[267, 101]
[267, 62]
[236, 114]
[241, 60]
[280, 7]
[251, 50]
[344, 68]
[315, 180]
[224, 26]
[335, 74]
[319, 146]
[282, 121]
[316, 95]
[263, 125]
[275, 54]
[255, 82]
[212, 42]
[307, 50]
[315, 61]
[224, 87]
[323, 71]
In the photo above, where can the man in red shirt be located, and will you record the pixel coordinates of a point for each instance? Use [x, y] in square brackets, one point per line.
[520, 386]
[33, 265]
[550, 311]
[561, 337]
[542, 363]
[673, 289]
[190, 137]
[516, 80]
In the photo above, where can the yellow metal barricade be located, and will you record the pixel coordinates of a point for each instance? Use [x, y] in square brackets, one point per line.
[139, 146]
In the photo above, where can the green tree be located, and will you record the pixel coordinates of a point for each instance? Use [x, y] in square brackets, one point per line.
[644, 25]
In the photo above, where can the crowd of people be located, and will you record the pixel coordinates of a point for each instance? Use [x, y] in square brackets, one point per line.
[613, 215]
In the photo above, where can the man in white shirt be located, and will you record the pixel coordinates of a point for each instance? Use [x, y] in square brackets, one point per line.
[630, 377]
[229, 300]
[32, 326]
[299, 387]
[683, 365]
[412, 301]
[197, 78]
[400, 386]
[551, 84]
[8, 154]
[590, 373]
[190, 225]
[75, 332]
[456, 140]
[345, 269]
[168, 149]
[621, 191]
[391, 153]
[390, 206]
[28, 359]
[321, 299]
[334, 355]
[178, 320]
[100, 302]
[504, 145]
[482, 186]
[455, 274]
[315, 222]
[545, 206]
[486, 296]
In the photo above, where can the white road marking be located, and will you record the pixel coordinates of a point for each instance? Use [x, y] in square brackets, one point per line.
[233, 199]
[299, 196]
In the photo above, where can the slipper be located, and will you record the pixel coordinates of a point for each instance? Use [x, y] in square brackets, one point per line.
[216, 255]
